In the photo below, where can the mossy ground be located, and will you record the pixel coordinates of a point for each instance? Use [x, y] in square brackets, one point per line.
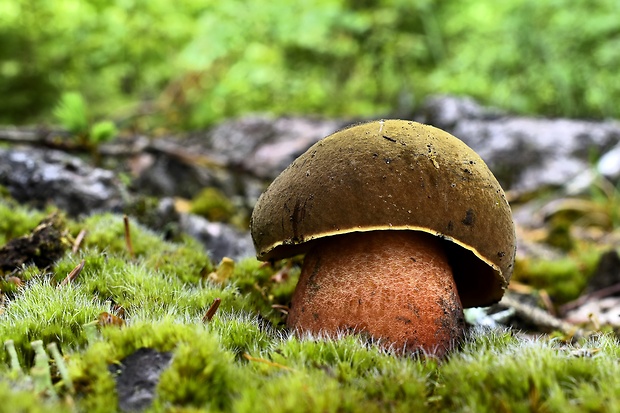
[243, 359]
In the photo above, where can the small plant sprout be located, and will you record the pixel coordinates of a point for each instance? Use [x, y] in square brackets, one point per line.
[72, 113]
[40, 372]
[61, 366]
[16, 369]
[103, 131]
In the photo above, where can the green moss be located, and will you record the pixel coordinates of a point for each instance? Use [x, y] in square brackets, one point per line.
[201, 375]
[41, 311]
[243, 333]
[212, 204]
[384, 380]
[106, 233]
[15, 400]
[91, 377]
[244, 360]
[310, 391]
[186, 260]
[529, 375]
[16, 221]
[256, 281]
[564, 279]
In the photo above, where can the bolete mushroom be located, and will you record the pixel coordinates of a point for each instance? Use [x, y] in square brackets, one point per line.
[402, 225]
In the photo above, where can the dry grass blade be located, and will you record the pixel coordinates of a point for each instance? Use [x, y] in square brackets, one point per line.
[73, 274]
[128, 236]
[211, 311]
[268, 362]
[78, 241]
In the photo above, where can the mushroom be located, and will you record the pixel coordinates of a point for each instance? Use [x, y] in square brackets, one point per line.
[403, 226]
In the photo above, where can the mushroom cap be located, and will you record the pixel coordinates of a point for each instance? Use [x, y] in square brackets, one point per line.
[394, 175]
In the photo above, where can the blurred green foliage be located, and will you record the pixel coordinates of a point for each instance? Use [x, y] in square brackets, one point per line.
[72, 113]
[212, 204]
[189, 63]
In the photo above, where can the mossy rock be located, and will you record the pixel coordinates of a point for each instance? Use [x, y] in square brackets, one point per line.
[212, 204]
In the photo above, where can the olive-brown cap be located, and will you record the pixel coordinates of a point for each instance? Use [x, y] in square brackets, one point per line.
[394, 175]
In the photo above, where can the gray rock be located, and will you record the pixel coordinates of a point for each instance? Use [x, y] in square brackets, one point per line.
[166, 175]
[524, 153]
[609, 164]
[137, 376]
[220, 239]
[263, 146]
[41, 176]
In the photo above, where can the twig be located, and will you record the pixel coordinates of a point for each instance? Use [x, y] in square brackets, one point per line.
[30, 135]
[602, 293]
[78, 241]
[284, 309]
[128, 237]
[539, 317]
[270, 363]
[73, 274]
[211, 311]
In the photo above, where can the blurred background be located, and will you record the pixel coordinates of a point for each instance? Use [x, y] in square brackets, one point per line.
[160, 65]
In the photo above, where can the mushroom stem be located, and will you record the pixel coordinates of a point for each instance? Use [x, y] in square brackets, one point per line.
[396, 286]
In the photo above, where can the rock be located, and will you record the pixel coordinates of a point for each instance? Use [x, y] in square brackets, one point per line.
[606, 274]
[263, 146]
[601, 311]
[449, 111]
[137, 376]
[609, 164]
[40, 176]
[239, 157]
[220, 239]
[177, 167]
[524, 153]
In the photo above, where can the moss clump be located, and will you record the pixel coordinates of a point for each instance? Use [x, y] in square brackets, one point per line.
[244, 333]
[106, 233]
[266, 287]
[564, 278]
[530, 375]
[185, 259]
[212, 204]
[308, 391]
[15, 400]
[243, 359]
[15, 221]
[202, 376]
[41, 311]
